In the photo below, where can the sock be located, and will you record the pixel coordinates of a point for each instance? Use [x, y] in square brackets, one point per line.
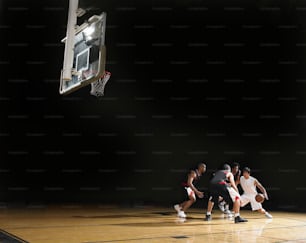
[237, 214]
[208, 213]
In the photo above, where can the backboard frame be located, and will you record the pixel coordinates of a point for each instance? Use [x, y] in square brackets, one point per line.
[81, 78]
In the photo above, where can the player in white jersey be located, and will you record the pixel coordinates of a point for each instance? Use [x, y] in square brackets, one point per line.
[249, 185]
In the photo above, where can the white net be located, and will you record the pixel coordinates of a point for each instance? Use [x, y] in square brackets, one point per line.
[97, 87]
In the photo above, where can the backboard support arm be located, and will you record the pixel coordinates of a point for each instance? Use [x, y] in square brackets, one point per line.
[69, 44]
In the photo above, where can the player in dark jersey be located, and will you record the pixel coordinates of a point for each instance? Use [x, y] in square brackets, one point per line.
[219, 188]
[190, 187]
[235, 169]
[236, 172]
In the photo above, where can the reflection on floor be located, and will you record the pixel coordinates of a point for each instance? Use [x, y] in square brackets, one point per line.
[96, 224]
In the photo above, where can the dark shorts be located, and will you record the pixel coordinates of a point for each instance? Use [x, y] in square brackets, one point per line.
[218, 190]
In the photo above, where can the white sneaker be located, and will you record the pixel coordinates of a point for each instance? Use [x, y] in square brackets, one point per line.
[177, 208]
[181, 214]
[228, 213]
[221, 206]
[269, 216]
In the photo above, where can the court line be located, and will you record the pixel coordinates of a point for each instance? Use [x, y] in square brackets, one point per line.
[13, 236]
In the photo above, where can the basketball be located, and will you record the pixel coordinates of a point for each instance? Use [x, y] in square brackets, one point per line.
[259, 198]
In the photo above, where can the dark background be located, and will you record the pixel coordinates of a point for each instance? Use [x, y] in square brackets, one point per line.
[192, 81]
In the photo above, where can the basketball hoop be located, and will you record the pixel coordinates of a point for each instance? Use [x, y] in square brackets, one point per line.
[97, 87]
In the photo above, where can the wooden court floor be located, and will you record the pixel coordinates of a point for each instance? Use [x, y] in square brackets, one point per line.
[93, 224]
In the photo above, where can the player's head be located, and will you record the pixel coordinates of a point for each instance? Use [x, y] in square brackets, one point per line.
[235, 167]
[246, 172]
[201, 167]
[226, 167]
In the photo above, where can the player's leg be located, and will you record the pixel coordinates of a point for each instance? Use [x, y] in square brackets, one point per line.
[185, 205]
[256, 206]
[215, 194]
[221, 204]
[181, 208]
[235, 197]
[211, 201]
[263, 211]
[244, 199]
[224, 207]
[192, 199]
[178, 207]
[236, 207]
[227, 210]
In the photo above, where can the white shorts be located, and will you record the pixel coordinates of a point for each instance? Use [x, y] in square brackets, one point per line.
[250, 198]
[190, 192]
[233, 194]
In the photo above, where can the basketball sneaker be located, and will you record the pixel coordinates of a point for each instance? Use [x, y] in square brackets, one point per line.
[269, 216]
[181, 214]
[221, 206]
[228, 213]
[208, 217]
[238, 219]
[177, 208]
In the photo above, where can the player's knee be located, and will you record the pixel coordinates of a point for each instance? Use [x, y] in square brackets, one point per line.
[237, 201]
[193, 199]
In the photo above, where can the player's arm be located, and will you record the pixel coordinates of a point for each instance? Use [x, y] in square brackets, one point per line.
[262, 189]
[191, 177]
[232, 181]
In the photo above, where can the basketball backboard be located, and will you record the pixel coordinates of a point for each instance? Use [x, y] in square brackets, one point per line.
[89, 55]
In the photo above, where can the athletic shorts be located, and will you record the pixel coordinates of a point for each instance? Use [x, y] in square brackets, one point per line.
[227, 193]
[190, 193]
[250, 198]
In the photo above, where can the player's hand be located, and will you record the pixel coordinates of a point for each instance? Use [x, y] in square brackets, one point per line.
[200, 194]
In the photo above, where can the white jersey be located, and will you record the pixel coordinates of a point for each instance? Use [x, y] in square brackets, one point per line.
[248, 185]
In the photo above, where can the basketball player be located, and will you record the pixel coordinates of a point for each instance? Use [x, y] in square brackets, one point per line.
[192, 178]
[236, 173]
[249, 184]
[219, 188]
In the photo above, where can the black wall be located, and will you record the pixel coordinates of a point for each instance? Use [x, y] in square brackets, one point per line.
[213, 81]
